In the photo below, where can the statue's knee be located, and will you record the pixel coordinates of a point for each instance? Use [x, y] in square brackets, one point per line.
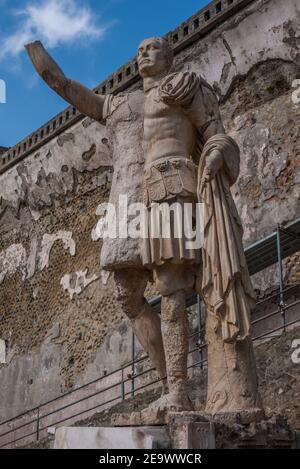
[173, 306]
[171, 278]
[131, 304]
[130, 289]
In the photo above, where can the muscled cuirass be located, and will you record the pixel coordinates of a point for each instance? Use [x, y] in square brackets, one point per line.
[168, 131]
[168, 143]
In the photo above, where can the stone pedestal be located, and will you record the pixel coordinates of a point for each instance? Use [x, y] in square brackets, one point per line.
[229, 431]
[111, 438]
[184, 431]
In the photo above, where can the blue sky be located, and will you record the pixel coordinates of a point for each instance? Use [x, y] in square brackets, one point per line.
[89, 39]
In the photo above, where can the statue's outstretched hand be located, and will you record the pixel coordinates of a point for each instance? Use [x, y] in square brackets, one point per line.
[46, 67]
[82, 98]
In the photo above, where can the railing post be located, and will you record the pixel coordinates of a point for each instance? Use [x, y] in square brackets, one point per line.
[199, 318]
[38, 425]
[122, 386]
[133, 363]
[281, 282]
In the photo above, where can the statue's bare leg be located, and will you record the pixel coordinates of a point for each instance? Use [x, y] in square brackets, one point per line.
[146, 324]
[175, 338]
[176, 343]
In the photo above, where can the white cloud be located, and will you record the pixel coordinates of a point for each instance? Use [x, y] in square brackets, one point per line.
[53, 22]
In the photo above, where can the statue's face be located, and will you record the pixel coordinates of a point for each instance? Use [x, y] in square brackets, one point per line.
[151, 57]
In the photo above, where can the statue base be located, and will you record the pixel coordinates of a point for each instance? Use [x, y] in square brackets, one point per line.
[236, 430]
[184, 431]
[247, 429]
[152, 417]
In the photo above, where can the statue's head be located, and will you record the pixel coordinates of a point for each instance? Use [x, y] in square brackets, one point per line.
[155, 56]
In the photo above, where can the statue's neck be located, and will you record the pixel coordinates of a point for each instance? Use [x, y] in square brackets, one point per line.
[153, 82]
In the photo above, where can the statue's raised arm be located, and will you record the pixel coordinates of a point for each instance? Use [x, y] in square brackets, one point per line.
[84, 99]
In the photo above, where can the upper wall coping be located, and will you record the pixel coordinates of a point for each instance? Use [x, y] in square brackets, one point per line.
[3, 150]
[195, 27]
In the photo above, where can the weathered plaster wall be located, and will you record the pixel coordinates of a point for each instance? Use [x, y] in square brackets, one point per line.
[47, 255]
[60, 321]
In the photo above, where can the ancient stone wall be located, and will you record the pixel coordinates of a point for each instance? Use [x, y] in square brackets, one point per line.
[59, 317]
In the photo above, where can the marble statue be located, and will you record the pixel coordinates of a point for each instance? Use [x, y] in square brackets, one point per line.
[169, 145]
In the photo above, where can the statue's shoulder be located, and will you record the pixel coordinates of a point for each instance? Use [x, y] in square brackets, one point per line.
[123, 104]
[179, 86]
[180, 78]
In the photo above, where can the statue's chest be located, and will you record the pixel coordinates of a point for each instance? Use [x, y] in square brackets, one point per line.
[125, 127]
[126, 109]
[155, 108]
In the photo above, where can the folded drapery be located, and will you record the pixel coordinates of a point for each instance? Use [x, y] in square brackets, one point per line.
[226, 286]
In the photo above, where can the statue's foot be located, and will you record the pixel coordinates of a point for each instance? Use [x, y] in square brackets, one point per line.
[157, 412]
[171, 402]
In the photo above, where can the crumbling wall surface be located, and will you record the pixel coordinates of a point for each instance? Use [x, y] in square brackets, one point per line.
[55, 309]
[59, 316]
